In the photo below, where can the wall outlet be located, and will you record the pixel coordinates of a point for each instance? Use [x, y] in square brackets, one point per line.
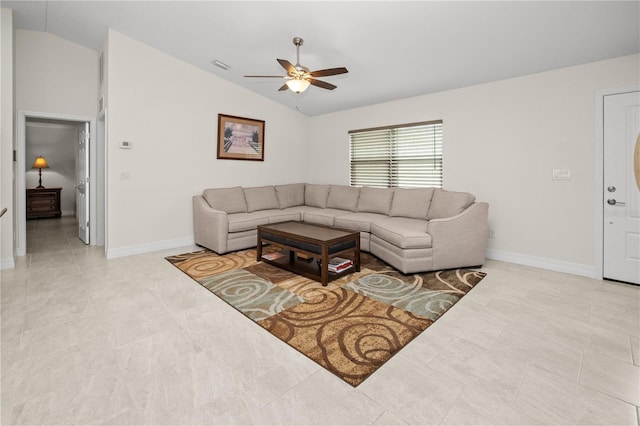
[492, 233]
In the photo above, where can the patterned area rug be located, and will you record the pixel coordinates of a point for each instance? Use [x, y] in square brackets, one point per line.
[352, 326]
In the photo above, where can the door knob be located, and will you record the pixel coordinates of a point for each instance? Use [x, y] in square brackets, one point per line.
[613, 202]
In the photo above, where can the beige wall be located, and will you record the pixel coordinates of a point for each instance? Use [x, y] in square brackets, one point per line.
[6, 138]
[502, 141]
[168, 110]
[54, 75]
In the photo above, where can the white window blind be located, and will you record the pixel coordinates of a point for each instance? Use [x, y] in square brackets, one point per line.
[408, 155]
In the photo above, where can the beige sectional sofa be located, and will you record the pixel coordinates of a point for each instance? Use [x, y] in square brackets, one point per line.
[412, 229]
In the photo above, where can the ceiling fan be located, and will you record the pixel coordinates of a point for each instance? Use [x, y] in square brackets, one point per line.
[300, 77]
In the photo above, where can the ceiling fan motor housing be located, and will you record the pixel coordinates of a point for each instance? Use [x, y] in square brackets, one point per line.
[302, 71]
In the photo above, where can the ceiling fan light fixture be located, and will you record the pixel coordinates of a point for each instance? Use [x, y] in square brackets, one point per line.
[298, 85]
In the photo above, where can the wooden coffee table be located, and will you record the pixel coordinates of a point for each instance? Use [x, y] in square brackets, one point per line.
[316, 243]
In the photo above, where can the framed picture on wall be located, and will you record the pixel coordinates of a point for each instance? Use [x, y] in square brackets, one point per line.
[240, 138]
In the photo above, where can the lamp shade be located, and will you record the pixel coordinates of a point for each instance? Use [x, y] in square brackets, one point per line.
[298, 85]
[40, 163]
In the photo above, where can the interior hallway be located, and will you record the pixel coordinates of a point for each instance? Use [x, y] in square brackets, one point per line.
[133, 340]
[57, 235]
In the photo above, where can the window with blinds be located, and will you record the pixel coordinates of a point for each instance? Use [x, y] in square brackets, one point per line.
[408, 155]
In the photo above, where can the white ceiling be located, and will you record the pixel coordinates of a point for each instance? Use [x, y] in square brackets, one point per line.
[392, 49]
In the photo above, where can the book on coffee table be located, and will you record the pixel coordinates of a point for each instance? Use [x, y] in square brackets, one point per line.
[338, 261]
[273, 256]
[340, 269]
[339, 264]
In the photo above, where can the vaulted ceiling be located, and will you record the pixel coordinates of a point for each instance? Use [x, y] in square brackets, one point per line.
[392, 49]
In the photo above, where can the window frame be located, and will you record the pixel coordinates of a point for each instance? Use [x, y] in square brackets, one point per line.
[380, 152]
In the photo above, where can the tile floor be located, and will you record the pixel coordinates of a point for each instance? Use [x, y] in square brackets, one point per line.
[133, 340]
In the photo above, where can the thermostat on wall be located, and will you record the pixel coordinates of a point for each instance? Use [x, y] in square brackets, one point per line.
[126, 145]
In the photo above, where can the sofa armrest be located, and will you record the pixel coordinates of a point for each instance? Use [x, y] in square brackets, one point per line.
[210, 226]
[460, 240]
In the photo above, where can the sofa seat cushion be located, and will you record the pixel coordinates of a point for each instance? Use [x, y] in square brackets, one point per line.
[277, 216]
[358, 221]
[403, 232]
[299, 209]
[247, 221]
[322, 216]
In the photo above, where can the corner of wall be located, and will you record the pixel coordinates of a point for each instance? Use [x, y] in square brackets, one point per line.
[7, 108]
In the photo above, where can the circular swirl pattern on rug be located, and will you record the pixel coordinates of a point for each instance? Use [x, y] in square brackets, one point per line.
[349, 334]
[253, 296]
[352, 326]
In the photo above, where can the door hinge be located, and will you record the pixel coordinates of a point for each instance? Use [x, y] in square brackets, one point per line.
[15, 155]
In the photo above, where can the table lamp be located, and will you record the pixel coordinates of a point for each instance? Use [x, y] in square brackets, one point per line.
[40, 163]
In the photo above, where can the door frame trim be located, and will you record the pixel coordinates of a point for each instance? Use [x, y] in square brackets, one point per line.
[599, 180]
[20, 180]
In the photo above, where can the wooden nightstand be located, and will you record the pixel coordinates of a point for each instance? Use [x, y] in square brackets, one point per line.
[43, 202]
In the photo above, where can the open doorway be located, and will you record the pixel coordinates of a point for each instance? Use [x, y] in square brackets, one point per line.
[55, 142]
[68, 145]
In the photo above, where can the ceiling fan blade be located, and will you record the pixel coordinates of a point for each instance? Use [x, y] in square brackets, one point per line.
[266, 76]
[283, 88]
[288, 66]
[322, 84]
[329, 71]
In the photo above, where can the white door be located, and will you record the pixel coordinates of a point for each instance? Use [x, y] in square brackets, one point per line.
[621, 201]
[82, 188]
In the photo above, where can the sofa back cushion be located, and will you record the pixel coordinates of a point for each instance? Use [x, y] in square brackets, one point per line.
[343, 197]
[449, 203]
[375, 200]
[411, 202]
[261, 198]
[290, 195]
[229, 200]
[316, 195]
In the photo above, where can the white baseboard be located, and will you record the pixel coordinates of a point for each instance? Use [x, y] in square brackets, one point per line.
[543, 263]
[7, 263]
[68, 212]
[149, 247]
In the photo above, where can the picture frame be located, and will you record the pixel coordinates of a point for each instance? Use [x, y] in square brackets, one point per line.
[240, 138]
